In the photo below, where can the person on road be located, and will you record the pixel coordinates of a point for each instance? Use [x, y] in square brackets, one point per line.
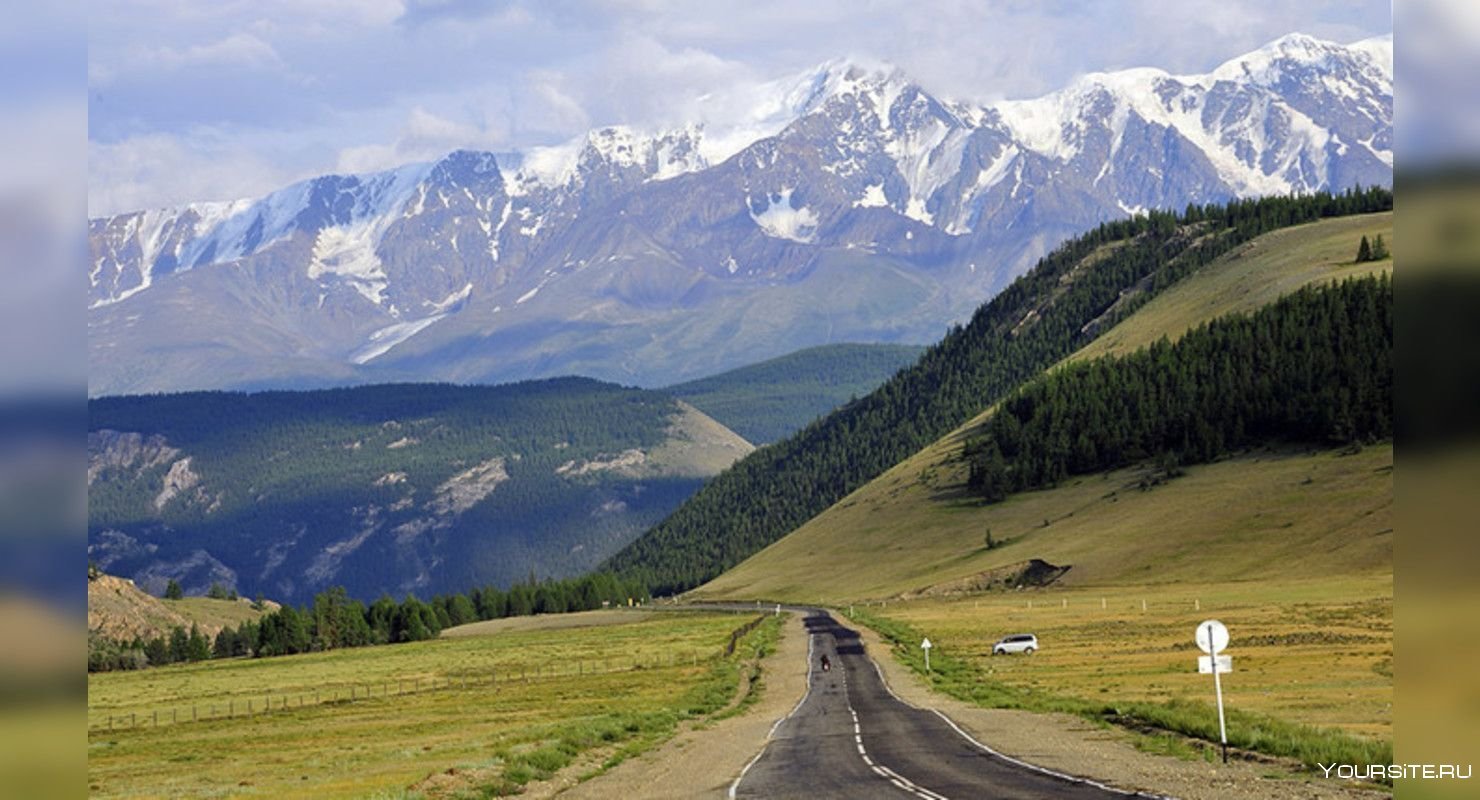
[826, 663]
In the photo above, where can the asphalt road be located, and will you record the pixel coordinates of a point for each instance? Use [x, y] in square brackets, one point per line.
[851, 737]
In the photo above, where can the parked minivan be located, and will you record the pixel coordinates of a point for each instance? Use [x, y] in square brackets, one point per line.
[1017, 643]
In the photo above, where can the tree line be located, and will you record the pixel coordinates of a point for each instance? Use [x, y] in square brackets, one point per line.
[335, 621]
[1314, 367]
[1043, 316]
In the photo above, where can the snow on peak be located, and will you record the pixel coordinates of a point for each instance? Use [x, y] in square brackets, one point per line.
[780, 220]
[617, 145]
[1266, 65]
[1380, 50]
[663, 154]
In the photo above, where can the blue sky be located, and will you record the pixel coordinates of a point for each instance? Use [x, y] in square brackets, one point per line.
[191, 100]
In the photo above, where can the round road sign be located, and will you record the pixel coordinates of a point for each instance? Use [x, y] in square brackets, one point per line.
[1212, 637]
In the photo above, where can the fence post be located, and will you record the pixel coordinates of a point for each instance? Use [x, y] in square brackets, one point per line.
[156, 718]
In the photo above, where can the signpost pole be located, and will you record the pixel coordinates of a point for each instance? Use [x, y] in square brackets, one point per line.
[925, 645]
[1218, 690]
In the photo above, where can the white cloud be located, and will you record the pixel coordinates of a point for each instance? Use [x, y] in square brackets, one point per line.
[155, 170]
[236, 50]
[293, 87]
[424, 137]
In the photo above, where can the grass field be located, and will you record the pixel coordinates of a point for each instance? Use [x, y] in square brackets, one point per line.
[548, 622]
[1321, 654]
[1313, 660]
[494, 737]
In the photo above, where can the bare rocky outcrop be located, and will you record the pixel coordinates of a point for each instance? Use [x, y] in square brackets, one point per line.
[108, 449]
[179, 479]
[465, 489]
[628, 463]
[1033, 573]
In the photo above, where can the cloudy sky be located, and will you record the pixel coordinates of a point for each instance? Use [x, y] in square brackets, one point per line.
[191, 100]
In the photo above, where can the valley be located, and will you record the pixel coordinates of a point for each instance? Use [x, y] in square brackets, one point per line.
[626, 402]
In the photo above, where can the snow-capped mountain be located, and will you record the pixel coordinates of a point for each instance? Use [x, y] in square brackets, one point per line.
[857, 206]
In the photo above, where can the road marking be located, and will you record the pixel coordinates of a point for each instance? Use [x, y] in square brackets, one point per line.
[811, 642]
[879, 769]
[1044, 770]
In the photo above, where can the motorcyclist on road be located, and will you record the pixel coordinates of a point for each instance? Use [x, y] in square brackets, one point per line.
[826, 663]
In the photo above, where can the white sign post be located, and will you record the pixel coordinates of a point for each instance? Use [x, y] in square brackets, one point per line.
[1212, 637]
[925, 645]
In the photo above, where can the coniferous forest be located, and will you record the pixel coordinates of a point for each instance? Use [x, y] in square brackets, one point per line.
[1315, 367]
[1064, 302]
[335, 620]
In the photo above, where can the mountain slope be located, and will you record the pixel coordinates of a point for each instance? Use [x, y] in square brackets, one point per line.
[1109, 528]
[1082, 288]
[863, 209]
[398, 488]
[767, 401]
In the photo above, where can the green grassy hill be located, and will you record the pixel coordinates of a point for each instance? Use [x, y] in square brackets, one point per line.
[768, 401]
[917, 527]
[1291, 546]
[1081, 289]
[395, 488]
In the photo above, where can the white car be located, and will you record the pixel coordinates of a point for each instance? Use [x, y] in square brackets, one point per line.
[1018, 643]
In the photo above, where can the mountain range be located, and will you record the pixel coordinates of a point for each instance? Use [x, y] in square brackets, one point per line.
[859, 207]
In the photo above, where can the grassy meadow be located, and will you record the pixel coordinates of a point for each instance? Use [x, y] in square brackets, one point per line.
[1312, 659]
[604, 689]
[1252, 276]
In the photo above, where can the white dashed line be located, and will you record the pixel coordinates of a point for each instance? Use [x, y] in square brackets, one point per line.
[879, 769]
[734, 787]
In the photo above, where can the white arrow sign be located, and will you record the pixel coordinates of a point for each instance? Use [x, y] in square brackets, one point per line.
[925, 645]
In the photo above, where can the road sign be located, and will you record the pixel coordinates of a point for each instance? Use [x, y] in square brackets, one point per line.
[926, 645]
[1212, 637]
[1205, 664]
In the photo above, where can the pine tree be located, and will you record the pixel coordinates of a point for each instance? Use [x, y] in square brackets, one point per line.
[1364, 251]
[172, 591]
[1379, 249]
[198, 648]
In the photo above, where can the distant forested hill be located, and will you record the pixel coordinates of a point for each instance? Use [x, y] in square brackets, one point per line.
[1076, 292]
[771, 400]
[393, 488]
